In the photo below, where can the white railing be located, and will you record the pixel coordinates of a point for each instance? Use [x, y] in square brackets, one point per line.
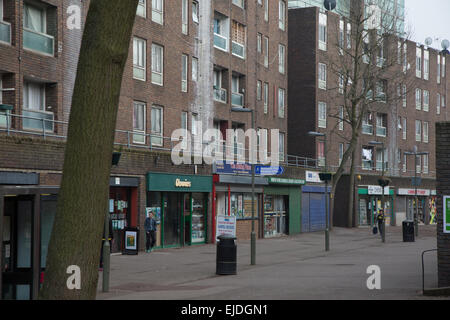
[220, 42]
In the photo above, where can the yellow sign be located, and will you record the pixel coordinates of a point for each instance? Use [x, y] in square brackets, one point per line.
[182, 184]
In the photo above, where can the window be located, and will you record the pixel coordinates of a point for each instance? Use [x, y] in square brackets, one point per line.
[425, 163]
[341, 41]
[266, 10]
[438, 104]
[382, 153]
[184, 120]
[381, 124]
[266, 52]
[281, 141]
[259, 42]
[282, 15]
[405, 57]
[399, 52]
[221, 31]
[237, 98]
[418, 62]
[321, 153]
[139, 122]
[184, 16]
[405, 162]
[35, 36]
[418, 164]
[322, 115]
[425, 132]
[142, 8]
[418, 131]
[281, 102]
[443, 67]
[281, 58]
[258, 90]
[367, 158]
[195, 11]
[426, 64]
[195, 125]
[438, 69]
[157, 126]
[341, 83]
[404, 94]
[158, 11]
[381, 90]
[238, 39]
[34, 18]
[184, 72]
[322, 76]
[426, 100]
[349, 36]
[266, 97]
[220, 94]
[157, 64]
[194, 69]
[239, 3]
[139, 58]
[34, 107]
[341, 118]
[404, 128]
[367, 126]
[418, 99]
[341, 152]
[322, 31]
[442, 100]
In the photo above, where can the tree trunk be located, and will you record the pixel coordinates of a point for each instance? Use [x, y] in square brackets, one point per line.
[351, 197]
[82, 201]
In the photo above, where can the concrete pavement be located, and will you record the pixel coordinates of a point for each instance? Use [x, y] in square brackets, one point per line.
[290, 267]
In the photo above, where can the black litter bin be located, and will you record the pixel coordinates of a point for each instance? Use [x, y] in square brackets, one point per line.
[226, 255]
[408, 231]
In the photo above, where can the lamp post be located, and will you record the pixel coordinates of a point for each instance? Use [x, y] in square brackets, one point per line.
[325, 176]
[415, 153]
[383, 183]
[253, 234]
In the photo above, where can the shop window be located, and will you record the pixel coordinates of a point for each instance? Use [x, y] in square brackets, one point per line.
[241, 205]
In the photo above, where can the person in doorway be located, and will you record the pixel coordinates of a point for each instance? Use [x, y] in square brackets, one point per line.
[380, 220]
[150, 230]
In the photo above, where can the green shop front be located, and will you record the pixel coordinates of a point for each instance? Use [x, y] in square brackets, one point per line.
[369, 204]
[180, 205]
[282, 206]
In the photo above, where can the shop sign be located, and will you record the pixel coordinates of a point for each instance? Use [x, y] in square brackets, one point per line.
[269, 170]
[182, 184]
[313, 176]
[222, 167]
[226, 225]
[377, 190]
[412, 192]
[446, 217]
[286, 181]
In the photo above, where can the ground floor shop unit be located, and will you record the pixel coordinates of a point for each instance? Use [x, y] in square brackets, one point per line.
[232, 196]
[282, 206]
[410, 201]
[313, 208]
[179, 203]
[369, 200]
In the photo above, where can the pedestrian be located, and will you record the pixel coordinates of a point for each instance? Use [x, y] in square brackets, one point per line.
[380, 220]
[150, 230]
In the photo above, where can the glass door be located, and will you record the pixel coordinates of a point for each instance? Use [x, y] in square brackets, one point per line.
[172, 219]
[187, 218]
[198, 225]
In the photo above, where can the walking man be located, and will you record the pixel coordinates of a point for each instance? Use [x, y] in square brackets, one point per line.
[380, 220]
[150, 230]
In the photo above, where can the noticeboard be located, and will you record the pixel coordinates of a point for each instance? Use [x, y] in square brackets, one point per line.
[446, 214]
[226, 225]
[131, 241]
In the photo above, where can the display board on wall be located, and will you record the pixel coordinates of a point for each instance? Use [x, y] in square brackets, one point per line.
[446, 214]
[226, 225]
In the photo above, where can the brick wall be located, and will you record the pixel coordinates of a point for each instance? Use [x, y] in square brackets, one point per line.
[443, 188]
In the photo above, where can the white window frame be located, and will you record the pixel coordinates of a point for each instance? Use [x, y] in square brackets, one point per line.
[259, 42]
[158, 11]
[438, 69]
[184, 72]
[195, 11]
[282, 15]
[258, 90]
[194, 69]
[139, 58]
[139, 133]
[426, 64]
[26, 96]
[349, 35]
[141, 8]
[323, 31]
[185, 17]
[341, 152]
[281, 143]
[426, 100]
[404, 96]
[281, 58]
[438, 103]
[158, 69]
[266, 52]
[425, 163]
[281, 102]
[418, 99]
[404, 128]
[425, 130]
[419, 62]
[266, 97]
[322, 115]
[418, 130]
[159, 135]
[266, 10]
[322, 76]
[341, 118]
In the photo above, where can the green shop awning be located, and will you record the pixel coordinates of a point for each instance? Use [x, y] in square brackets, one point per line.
[178, 182]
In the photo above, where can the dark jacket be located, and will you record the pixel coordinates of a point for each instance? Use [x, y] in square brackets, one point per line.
[150, 224]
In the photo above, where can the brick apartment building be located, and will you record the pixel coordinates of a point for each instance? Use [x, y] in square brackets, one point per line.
[405, 119]
[190, 62]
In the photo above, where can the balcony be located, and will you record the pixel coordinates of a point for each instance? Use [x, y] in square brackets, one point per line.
[38, 120]
[39, 42]
[220, 42]
[238, 49]
[367, 128]
[381, 131]
[367, 165]
[5, 32]
[237, 99]
[220, 95]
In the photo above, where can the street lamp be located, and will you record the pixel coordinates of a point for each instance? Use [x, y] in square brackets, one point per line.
[253, 234]
[415, 153]
[383, 183]
[325, 176]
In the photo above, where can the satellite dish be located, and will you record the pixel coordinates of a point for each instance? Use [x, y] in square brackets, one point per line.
[329, 4]
[428, 41]
[445, 44]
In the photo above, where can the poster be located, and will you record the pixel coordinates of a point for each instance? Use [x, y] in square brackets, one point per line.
[446, 214]
[131, 240]
[156, 213]
[226, 225]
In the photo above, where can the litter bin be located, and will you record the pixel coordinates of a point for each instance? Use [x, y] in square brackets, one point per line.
[226, 255]
[408, 231]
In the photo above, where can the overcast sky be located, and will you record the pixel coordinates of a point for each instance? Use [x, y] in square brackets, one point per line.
[428, 18]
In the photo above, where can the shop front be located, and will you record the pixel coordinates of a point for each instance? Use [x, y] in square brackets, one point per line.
[425, 204]
[232, 196]
[370, 202]
[123, 209]
[282, 206]
[180, 206]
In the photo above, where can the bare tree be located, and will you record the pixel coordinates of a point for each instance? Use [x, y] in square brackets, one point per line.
[82, 201]
[368, 61]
